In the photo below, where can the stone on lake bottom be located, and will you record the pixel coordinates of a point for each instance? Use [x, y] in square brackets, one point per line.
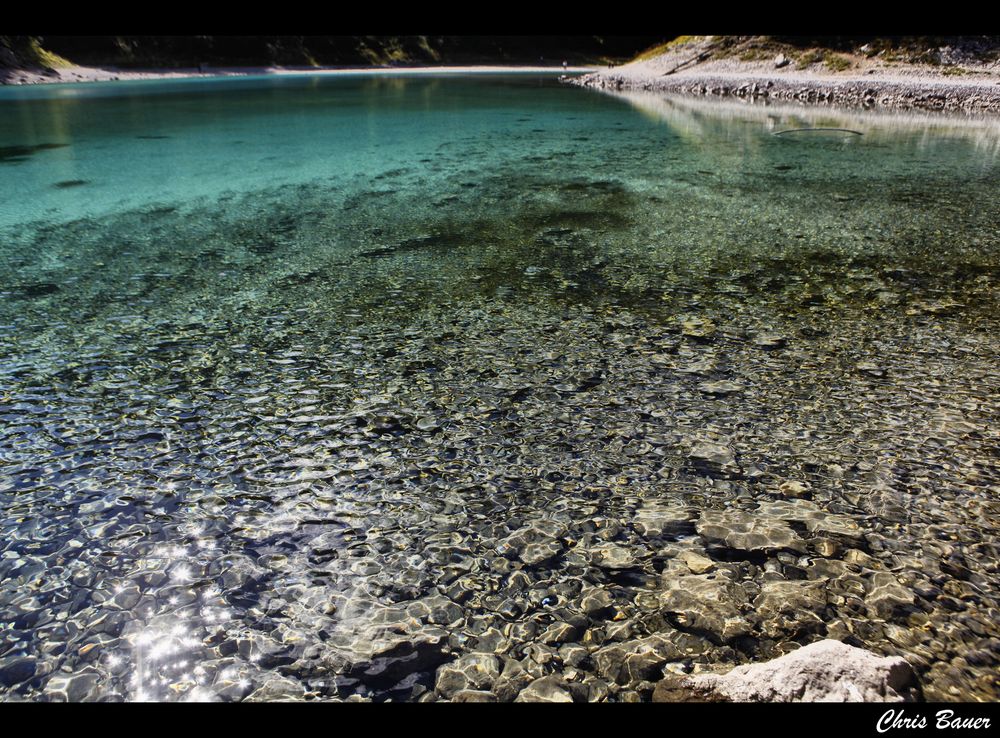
[17, 669]
[714, 459]
[546, 689]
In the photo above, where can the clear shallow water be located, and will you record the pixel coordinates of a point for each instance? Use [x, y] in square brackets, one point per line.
[390, 387]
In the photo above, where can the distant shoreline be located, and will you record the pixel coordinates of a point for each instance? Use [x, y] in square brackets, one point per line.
[79, 74]
[909, 88]
[702, 67]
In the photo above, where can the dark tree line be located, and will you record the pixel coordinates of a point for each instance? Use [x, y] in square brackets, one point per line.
[186, 51]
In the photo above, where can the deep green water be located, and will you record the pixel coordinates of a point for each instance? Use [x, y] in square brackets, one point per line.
[310, 386]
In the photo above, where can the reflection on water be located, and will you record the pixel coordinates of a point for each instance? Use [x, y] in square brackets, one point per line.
[364, 390]
[697, 116]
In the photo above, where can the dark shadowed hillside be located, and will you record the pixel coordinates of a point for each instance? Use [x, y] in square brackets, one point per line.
[188, 51]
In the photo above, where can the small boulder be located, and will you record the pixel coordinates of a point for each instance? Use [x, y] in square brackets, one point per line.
[278, 689]
[631, 662]
[17, 669]
[745, 531]
[546, 689]
[826, 671]
[595, 600]
[708, 604]
[714, 460]
[656, 518]
[473, 695]
[695, 562]
[793, 488]
[474, 671]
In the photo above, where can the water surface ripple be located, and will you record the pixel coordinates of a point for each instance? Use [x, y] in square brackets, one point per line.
[426, 388]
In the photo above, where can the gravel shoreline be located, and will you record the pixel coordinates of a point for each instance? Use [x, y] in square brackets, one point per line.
[963, 80]
[978, 96]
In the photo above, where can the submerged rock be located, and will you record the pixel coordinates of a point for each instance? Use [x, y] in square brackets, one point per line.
[714, 459]
[791, 608]
[696, 327]
[886, 595]
[396, 657]
[636, 660]
[795, 489]
[769, 340]
[697, 563]
[82, 686]
[871, 369]
[745, 531]
[720, 388]
[533, 544]
[706, 604]
[827, 671]
[614, 557]
[546, 689]
[278, 689]
[663, 518]
[472, 672]
[17, 669]
[595, 600]
[473, 695]
[815, 519]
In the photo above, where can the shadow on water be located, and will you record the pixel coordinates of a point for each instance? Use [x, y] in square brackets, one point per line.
[21, 153]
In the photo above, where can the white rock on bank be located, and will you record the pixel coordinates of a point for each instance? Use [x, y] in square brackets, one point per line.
[827, 671]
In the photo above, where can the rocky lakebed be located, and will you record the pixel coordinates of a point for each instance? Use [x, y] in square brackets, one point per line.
[586, 421]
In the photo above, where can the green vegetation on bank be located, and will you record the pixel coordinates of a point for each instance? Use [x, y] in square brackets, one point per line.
[663, 48]
[836, 52]
[27, 51]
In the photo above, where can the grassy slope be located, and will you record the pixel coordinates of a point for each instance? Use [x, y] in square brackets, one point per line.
[27, 52]
[841, 53]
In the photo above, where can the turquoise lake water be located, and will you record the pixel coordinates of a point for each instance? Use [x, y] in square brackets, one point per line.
[395, 387]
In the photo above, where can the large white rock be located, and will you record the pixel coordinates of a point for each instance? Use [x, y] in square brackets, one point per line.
[827, 671]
